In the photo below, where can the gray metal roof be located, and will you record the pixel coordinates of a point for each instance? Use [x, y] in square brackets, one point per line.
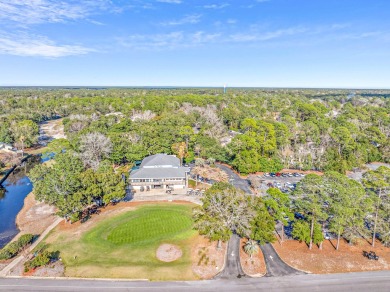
[171, 172]
[160, 160]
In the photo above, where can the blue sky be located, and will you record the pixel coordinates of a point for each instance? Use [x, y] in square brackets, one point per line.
[265, 43]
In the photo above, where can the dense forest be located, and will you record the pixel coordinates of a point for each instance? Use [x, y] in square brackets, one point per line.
[250, 129]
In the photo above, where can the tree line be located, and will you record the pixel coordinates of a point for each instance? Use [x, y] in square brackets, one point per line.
[252, 130]
[347, 208]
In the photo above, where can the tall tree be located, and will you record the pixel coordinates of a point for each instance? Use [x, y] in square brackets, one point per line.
[279, 206]
[377, 183]
[59, 184]
[225, 210]
[94, 148]
[347, 203]
[310, 199]
[25, 133]
[262, 224]
[180, 149]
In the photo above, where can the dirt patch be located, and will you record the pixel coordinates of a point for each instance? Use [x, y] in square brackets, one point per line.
[208, 260]
[50, 130]
[168, 253]
[56, 269]
[254, 266]
[209, 172]
[349, 258]
[34, 217]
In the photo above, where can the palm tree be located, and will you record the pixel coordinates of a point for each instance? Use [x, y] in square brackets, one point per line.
[251, 247]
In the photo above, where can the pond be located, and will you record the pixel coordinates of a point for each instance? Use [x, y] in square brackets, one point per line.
[16, 188]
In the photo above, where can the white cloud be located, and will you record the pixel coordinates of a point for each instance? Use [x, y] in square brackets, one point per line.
[38, 46]
[231, 21]
[264, 36]
[216, 6]
[170, 41]
[170, 1]
[52, 11]
[255, 34]
[188, 19]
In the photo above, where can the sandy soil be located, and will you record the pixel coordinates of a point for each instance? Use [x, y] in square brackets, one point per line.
[349, 258]
[50, 130]
[34, 217]
[209, 172]
[254, 266]
[56, 269]
[207, 260]
[168, 253]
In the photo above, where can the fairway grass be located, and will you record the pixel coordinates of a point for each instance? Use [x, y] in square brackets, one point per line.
[124, 246]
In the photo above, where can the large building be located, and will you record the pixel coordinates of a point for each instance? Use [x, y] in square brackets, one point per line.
[159, 172]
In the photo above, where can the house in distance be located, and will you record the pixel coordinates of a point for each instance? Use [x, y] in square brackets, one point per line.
[159, 172]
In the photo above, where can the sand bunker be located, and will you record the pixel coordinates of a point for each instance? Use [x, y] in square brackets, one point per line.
[168, 253]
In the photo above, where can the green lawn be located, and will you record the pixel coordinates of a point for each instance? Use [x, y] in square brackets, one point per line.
[124, 246]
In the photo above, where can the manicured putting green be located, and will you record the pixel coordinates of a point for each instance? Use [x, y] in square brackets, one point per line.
[150, 224]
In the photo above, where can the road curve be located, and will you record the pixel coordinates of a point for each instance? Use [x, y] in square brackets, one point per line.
[368, 281]
[237, 181]
[233, 267]
[275, 266]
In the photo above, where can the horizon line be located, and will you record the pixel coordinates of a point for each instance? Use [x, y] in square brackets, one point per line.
[189, 87]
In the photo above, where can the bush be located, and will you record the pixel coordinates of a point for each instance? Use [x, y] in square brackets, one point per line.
[42, 259]
[13, 248]
[5, 254]
[25, 240]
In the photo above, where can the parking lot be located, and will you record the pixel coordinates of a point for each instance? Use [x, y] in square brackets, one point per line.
[285, 182]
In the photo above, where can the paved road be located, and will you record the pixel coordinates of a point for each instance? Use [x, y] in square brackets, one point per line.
[233, 266]
[275, 266]
[238, 182]
[369, 281]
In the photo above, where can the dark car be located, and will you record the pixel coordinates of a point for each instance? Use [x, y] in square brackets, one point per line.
[299, 216]
[272, 174]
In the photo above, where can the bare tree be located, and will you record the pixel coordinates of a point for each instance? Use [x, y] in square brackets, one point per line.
[224, 211]
[145, 116]
[94, 147]
[255, 181]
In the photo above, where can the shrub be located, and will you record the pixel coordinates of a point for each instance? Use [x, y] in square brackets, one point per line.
[40, 260]
[13, 248]
[25, 240]
[5, 254]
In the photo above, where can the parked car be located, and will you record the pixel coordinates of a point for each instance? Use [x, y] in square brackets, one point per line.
[266, 174]
[278, 174]
[296, 174]
[289, 174]
[272, 174]
[370, 255]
